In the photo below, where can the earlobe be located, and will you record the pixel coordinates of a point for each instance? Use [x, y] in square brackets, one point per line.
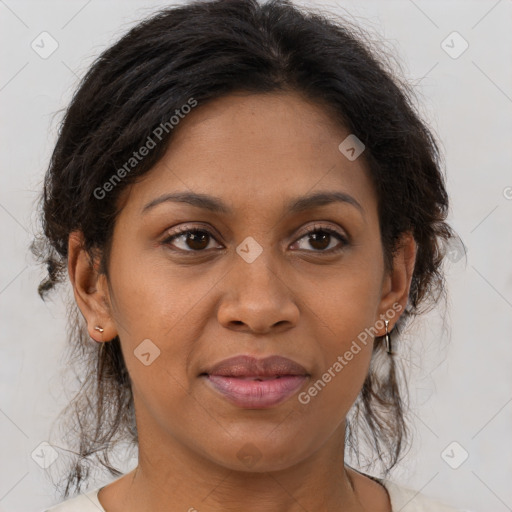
[397, 283]
[90, 289]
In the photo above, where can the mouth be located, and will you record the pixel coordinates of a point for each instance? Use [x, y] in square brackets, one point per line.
[253, 383]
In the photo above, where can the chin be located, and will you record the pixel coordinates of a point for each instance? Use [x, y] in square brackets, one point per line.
[259, 455]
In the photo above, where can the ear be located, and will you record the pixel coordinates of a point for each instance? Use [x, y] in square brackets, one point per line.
[90, 289]
[397, 283]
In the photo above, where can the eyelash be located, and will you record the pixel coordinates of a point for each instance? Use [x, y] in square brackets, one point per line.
[316, 229]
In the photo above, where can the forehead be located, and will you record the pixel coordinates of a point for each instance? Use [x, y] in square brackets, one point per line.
[256, 149]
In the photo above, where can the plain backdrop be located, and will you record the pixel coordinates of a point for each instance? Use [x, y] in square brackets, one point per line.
[461, 366]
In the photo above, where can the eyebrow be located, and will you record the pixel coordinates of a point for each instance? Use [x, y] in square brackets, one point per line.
[216, 205]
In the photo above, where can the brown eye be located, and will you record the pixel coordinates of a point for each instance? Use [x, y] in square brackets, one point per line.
[321, 239]
[192, 240]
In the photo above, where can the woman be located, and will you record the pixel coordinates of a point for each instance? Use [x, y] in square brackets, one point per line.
[249, 209]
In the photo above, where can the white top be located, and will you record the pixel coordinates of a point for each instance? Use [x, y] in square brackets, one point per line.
[402, 498]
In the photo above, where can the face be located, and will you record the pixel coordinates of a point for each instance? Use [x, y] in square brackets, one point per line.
[257, 277]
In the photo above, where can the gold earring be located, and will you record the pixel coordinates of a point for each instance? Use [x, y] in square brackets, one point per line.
[387, 338]
[100, 329]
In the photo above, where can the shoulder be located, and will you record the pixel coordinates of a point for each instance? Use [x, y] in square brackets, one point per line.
[404, 499]
[86, 502]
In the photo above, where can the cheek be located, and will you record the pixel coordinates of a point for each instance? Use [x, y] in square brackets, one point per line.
[347, 301]
[159, 312]
[345, 310]
[345, 349]
[153, 298]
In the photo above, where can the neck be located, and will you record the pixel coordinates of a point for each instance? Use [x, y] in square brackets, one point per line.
[180, 479]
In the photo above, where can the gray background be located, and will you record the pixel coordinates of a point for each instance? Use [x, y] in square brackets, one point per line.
[462, 353]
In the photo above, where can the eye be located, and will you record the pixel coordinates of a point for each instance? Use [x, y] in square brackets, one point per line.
[199, 240]
[192, 240]
[321, 239]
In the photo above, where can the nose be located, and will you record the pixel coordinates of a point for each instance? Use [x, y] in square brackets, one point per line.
[257, 298]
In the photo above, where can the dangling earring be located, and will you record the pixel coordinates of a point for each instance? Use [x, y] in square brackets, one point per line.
[387, 338]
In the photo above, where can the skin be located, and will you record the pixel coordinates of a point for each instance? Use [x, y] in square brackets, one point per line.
[255, 152]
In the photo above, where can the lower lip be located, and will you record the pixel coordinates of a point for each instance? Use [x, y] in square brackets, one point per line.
[254, 394]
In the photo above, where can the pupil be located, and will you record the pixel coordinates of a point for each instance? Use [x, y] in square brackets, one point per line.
[196, 240]
[321, 237]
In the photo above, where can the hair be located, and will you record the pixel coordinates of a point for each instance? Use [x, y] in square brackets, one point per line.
[205, 50]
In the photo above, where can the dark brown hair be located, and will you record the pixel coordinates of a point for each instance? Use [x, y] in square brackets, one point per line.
[205, 50]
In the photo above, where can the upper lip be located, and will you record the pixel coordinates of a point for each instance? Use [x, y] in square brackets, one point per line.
[248, 366]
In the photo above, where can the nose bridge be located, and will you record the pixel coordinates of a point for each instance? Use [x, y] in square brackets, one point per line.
[254, 271]
[256, 293]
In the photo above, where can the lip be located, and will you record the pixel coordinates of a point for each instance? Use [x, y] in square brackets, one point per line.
[256, 383]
